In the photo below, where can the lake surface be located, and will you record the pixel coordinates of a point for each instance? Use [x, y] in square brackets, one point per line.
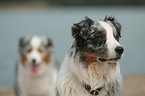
[56, 23]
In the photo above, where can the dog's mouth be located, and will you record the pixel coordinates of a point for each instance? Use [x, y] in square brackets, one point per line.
[109, 60]
[35, 68]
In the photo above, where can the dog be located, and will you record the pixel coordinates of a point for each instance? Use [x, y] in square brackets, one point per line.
[36, 68]
[91, 66]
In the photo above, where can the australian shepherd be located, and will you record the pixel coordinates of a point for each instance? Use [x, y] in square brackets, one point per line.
[36, 69]
[91, 67]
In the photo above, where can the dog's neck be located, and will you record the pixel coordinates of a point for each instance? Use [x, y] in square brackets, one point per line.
[96, 75]
[44, 75]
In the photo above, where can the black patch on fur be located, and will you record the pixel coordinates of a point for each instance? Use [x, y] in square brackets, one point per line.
[80, 31]
[116, 25]
[49, 43]
[84, 34]
[24, 42]
[46, 42]
[96, 40]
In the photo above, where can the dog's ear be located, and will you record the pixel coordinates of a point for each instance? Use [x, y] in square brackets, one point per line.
[82, 28]
[80, 31]
[23, 41]
[116, 24]
[47, 42]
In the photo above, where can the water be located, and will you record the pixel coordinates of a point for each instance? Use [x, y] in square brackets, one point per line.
[56, 23]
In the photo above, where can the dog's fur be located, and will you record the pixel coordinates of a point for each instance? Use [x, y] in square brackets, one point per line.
[36, 69]
[92, 59]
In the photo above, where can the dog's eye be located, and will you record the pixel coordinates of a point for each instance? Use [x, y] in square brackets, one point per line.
[40, 50]
[116, 36]
[29, 50]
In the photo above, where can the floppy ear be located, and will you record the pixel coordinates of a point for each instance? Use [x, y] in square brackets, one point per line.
[47, 42]
[80, 31]
[82, 28]
[23, 41]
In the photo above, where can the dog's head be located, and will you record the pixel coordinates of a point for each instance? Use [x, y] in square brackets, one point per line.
[35, 53]
[98, 41]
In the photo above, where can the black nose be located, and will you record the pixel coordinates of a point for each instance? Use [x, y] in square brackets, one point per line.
[33, 61]
[119, 50]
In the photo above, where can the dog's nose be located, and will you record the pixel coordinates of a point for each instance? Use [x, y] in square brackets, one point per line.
[119, 50]
[33, 61]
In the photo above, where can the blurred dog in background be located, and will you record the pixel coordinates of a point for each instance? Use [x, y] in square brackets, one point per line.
[37, 67]
[91, 66]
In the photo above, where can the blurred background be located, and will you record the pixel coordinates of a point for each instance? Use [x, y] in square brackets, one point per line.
[54, 18]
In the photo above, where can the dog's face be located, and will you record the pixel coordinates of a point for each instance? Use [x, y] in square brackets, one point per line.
[35, 53]
[98, 41]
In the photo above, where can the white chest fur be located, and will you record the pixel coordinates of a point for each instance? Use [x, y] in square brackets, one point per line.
[71, 75]
[36, 86]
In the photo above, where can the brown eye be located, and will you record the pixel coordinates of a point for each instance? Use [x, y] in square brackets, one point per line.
[29, 50]
[40, 50]
[116, 36]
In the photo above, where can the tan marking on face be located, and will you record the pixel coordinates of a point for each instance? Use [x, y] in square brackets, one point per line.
[91, 58]
[46, 58]
[105, 32]
[23, 58]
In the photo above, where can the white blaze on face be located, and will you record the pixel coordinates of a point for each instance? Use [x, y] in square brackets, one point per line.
[111, 42]
[34, 54]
